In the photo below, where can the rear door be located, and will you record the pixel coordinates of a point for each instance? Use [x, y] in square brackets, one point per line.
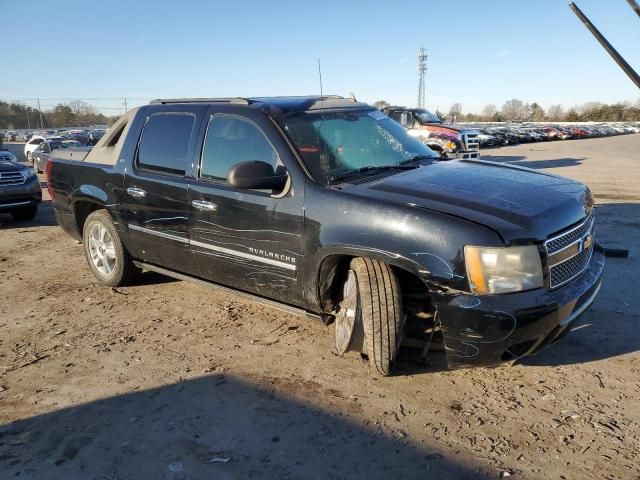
[251, 240]
[157, 190]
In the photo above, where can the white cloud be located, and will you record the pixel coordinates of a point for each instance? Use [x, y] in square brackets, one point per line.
[504, 53]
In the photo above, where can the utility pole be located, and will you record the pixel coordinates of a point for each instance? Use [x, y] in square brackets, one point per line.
[26, 110]
[622, 63]
[40, 112]
[125, 105]
[422, 71]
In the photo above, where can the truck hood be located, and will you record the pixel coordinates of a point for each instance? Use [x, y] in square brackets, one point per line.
[518, 203]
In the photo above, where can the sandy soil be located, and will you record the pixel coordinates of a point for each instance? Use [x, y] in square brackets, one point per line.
[171, 380]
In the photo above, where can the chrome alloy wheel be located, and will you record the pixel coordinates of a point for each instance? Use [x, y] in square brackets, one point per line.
[102, 249]
[347, 319]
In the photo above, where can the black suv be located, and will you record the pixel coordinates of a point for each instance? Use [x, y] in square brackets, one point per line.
[327, 207]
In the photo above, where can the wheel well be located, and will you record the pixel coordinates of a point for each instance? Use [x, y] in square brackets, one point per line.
[82, 209]
[333, 273]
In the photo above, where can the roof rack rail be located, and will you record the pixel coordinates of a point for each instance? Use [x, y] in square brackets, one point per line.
[243, 101]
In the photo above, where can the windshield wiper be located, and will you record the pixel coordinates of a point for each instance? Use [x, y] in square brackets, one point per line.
[369, 169]
[417, 158]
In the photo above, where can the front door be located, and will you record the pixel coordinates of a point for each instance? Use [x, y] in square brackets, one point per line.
[247, 239]
[157, 189]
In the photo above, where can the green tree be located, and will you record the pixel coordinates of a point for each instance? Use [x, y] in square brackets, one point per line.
[536, 113]
[62, 116]
[572, 115]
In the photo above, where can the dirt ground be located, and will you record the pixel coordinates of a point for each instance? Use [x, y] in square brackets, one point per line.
[170, 380]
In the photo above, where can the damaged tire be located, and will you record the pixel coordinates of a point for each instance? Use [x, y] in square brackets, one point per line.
[379, 306]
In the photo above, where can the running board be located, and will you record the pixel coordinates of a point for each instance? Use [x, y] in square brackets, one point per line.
[248, 296]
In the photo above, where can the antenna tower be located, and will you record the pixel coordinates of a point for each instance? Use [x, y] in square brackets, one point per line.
[422, 73]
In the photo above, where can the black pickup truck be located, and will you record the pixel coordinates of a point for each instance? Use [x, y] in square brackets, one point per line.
[327, 207]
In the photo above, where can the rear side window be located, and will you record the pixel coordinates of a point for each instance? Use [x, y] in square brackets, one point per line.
[164, 144]
[231, 140]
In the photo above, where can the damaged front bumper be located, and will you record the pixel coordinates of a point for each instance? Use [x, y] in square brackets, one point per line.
[492, 329]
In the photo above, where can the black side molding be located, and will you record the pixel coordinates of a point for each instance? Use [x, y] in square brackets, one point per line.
[248, 296]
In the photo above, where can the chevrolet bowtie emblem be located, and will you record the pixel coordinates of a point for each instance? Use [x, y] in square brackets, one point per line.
[585, 242]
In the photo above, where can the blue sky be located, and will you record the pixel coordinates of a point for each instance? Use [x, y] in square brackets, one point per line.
[480, 52]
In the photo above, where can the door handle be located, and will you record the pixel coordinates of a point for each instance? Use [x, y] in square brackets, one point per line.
[204, 206]
[136, 192]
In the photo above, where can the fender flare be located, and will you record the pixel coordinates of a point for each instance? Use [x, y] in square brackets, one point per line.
[327, 269]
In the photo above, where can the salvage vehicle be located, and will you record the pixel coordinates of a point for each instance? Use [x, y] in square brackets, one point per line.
[450, 141]
[40, 155]
[326, 207]
[20, 192]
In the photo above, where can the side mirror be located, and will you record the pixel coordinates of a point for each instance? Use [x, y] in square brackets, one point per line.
[255, 175]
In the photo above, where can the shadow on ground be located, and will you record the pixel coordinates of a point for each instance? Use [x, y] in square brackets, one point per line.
[189, 430]
[520, 161]
[44, 218]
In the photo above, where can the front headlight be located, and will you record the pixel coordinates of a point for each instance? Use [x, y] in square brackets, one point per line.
[28, 173]
[503, 269]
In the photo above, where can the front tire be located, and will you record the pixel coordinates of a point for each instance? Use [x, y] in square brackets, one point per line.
[380, 307]
[109, 261]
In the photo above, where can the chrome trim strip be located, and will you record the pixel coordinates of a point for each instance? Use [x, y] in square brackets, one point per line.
[580, 310]
[248, 256]
[159, 234]
[255, 298]
[15, 204]
[215, 248]
[590, 218]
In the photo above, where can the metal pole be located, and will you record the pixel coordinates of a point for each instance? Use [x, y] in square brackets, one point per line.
[631, 73]
[125, 105]
[40, 111]
[635, 6]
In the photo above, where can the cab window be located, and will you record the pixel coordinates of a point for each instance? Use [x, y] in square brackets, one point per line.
[230, 140]
[164, 144]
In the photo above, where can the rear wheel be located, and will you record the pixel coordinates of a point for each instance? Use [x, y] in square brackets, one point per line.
[109, 261]
[372, 299]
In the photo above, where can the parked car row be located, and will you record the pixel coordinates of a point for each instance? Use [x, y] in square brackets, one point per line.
[494, 135]
[86, 136]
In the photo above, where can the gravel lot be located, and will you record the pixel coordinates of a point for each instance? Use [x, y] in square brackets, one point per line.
[171, 380]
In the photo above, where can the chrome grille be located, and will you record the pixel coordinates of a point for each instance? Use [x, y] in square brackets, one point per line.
[569, 269]
[563, 240]
[471, 141]
[11, 178]
[581, 239]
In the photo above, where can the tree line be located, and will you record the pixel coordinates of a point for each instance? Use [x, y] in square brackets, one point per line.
[515, 110]
[17, 115]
